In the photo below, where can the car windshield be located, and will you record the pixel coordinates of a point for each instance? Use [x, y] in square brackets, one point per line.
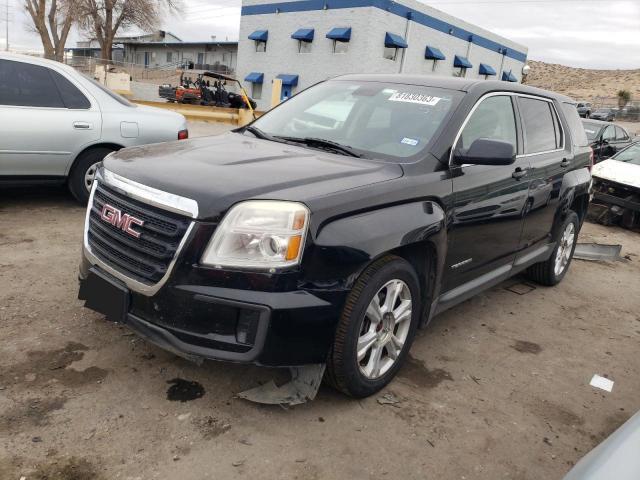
[581, 105]
[372, 119]
[603, 110]
[629, 155]
[591, 129]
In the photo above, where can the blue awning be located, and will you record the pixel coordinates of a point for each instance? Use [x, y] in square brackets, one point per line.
[509, 77]
[391, 40]
[259, 35]
[486, 69]
[254, 77]
[461, 62]
[303, 34]
[340, 34]
[432, 53]
[290, 80]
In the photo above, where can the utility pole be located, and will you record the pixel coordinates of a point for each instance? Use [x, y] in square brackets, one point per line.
[6, 37]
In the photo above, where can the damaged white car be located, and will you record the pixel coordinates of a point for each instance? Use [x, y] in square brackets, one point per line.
[616, 188]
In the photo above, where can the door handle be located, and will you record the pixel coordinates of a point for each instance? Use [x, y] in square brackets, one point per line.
[518, 173]
[82, 126]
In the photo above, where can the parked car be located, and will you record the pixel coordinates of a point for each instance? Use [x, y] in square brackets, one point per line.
[615, 458]
[330, 229]
[584, 109]
[604, 114]
[616, 188]
[60, 124]
[605, 139]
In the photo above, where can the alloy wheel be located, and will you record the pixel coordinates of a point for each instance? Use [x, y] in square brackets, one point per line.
[563, 255]
[384, 329]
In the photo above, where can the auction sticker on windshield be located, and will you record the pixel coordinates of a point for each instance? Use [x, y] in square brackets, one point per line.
[419, 98]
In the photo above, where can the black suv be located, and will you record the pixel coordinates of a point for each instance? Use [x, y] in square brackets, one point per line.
[331, 228]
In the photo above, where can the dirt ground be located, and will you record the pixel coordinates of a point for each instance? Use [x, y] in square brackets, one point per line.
[496, 388]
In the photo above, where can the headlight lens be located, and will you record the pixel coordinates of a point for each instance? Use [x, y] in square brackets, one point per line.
[259, 234]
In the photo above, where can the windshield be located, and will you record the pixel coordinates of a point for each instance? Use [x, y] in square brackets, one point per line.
[591, 129]
[603, 110]
[630, 154]
[376, 120]
[111, 93]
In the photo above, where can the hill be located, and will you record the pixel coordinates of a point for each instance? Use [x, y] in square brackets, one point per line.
[598, 86]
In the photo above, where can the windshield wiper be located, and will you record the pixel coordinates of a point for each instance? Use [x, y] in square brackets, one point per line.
[323, 144]
[259, 133]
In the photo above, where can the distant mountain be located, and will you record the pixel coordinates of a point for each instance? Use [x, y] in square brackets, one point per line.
[599, 86]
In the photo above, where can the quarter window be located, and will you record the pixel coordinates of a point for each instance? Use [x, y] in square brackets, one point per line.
[27, 85]
[541, 128]
[71, 96]
[493, 119]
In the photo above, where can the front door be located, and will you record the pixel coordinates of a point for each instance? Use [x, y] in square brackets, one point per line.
[50, 120]
[489, 201]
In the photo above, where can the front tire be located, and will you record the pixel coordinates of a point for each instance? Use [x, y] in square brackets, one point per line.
[376, 329]
[83, 172]
[552, 271]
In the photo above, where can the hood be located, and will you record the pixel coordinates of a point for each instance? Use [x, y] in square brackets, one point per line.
[219, 171]
[619, 172]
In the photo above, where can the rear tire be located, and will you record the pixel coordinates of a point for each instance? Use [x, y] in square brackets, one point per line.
[552, 271]
[83, 171]
[376, 329]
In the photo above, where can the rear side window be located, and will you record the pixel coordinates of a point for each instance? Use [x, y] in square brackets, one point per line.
[71, 96]
[621, 134]
[541, 127]
[578, 134]
[23, 84]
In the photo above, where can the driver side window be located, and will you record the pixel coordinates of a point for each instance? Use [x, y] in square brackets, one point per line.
[493, 119]
[609, 134]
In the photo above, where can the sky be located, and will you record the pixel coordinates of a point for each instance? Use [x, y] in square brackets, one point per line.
[578, 33]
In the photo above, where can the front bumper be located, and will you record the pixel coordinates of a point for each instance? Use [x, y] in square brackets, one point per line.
[198, 322]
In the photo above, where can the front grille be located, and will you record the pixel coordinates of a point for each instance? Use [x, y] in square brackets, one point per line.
[146, 258]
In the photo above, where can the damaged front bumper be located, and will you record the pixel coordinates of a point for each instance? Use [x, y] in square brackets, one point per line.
[614, 203]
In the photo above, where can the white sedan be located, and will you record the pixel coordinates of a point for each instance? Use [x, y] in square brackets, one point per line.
[56, 124]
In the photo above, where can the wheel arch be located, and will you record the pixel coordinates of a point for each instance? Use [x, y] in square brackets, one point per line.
[413, 231]
[110, 145]
[574, 195]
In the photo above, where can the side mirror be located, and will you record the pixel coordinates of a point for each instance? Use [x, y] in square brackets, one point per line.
[485, 151]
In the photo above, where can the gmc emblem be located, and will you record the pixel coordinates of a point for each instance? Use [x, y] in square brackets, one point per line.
[123, 221]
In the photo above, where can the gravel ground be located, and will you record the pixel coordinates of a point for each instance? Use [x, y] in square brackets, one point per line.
[496, 388]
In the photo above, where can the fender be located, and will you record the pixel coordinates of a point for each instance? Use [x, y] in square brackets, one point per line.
[348, 245]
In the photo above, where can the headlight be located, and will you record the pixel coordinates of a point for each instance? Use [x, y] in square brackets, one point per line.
[259, 234]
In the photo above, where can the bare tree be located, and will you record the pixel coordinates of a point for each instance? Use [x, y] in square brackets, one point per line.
[52, 19]
[104, 18]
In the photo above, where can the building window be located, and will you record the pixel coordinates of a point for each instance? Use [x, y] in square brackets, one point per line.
[340, 47]
[461, 73]
[256, 91]
[261, 46]
[390, 53]
[169, 57]
[304, 47]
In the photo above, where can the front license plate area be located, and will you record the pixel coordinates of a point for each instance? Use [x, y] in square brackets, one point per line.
[106, 295]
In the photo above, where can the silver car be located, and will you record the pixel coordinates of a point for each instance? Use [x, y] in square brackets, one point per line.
[57, 124]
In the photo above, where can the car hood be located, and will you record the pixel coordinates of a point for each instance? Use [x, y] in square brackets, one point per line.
[619, 172]
[219, 171]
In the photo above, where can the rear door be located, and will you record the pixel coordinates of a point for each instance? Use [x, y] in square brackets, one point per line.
[48, 120]
[550, 157]
[489, 201]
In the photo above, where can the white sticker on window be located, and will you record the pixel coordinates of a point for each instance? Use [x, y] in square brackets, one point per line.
[589, 131]
[419, 98]
[410, 141]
